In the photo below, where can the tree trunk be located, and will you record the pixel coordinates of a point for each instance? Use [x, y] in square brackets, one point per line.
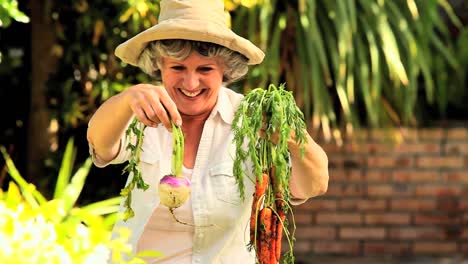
[43, 63]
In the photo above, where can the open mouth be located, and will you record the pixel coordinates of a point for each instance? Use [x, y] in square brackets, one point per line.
[192, 94]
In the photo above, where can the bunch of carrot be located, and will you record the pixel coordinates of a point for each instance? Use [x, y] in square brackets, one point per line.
[266, 224]
[262, 126]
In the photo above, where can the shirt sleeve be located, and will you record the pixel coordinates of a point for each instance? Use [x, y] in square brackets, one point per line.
[298, 201]
[122, 156]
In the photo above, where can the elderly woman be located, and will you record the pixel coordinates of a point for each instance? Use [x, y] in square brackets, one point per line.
[193, 55]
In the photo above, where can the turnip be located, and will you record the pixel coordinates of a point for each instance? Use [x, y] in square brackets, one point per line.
[173, 189]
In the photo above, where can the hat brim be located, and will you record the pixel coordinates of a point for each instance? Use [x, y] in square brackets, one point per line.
[197, 30]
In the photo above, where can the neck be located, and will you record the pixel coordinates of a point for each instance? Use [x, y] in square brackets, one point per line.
[192, 119]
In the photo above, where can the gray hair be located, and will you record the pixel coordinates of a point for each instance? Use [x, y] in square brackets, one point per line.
[150, 60]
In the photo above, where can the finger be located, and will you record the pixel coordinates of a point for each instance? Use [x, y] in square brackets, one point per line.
[158, 111]
[150, 113]
[163, 116]
[141, 116]
[171, 107]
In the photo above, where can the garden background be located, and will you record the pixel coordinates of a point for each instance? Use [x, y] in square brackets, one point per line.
[382, 84]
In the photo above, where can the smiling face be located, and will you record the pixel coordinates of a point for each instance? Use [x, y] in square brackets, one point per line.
[193, 83]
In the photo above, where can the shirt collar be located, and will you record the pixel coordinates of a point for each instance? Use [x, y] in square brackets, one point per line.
[224, 107]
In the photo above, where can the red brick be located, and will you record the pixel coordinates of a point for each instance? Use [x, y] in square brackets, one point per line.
[440, 162]
[377, 176]
[385, 248]
[463, 205]
[317, 205]
[380, 148]
[389, 162]
[385, 135]
[363, 204]
[460, 176]
[353, 148]
[339, 218]
[416, 233]
[362, 233]
[386, 190]
[300, 247]
[375, 148]
[380, 190]
[387, 218]
[347, 161]
[409, 135]
[417, 148]
[415, 176]
[412, 205]
[448, 204]
[303, 218]
[331, 148]
[435, 247]
[347, 190]
[437, 191]
[456, 148]
[431, 134]
[464, 248]
[457, 133]
[331, 247]
[464, 233]
[322, 232]
[434, 219]
[345, 175]
[465, 219]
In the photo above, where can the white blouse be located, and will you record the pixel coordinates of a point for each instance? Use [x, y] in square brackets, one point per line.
[161, 227]
[221, 218]
[215, 197]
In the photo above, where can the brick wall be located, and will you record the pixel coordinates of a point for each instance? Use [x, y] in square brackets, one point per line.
[406, 199]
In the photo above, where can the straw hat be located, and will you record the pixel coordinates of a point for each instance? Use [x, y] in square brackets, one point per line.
[199, 20]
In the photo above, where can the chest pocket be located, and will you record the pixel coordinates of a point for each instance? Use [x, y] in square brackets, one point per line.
[224, 183]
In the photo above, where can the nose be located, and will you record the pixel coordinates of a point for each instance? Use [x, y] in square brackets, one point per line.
[191, 81]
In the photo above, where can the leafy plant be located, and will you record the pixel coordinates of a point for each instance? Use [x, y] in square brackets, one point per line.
[35, 230]
[9, 10]
[355, 62]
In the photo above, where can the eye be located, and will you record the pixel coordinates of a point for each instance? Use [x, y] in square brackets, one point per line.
[206, 69]
[177, 68]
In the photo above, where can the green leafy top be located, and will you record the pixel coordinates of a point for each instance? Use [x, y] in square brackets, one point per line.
[132, 166]
[273, 113]
[136, 128]
[178, 150]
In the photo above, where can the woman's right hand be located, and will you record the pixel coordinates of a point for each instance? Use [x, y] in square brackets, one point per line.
[152, 105]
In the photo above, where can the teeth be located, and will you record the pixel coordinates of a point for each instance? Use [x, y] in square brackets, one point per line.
[191, 94]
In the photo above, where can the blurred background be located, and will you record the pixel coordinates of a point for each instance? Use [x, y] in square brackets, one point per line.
[382, 84]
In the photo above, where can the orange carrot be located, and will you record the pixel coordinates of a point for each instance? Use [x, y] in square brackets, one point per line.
[260, 189]
[278, 188]
[274, 227]
[265, 235]
[279, 233]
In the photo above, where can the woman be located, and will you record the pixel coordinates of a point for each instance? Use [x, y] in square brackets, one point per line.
[193, 53]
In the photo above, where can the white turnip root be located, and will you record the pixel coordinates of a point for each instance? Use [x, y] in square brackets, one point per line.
[174, 189]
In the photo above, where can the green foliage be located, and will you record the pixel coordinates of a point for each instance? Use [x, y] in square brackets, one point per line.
[9, 10]
[350, 63]
[273, 110]
[137, 130]
[356, 62]
[35, 230]
[263, 124]
[86, 37]
[177, 160]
